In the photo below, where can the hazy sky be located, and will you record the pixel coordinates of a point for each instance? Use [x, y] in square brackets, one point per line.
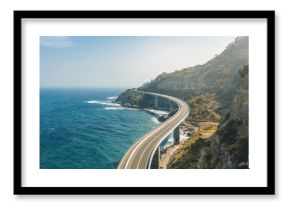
[125, 61]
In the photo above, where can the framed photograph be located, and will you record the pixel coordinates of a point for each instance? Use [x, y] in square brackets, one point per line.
[144, 102]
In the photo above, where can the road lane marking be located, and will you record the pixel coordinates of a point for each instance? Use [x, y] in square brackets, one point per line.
[134, 148]
[171, 121]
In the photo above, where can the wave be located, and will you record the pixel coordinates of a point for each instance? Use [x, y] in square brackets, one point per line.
[119, 108]
[184, 136]
[112, 97]
[103, 103]
[156, 112]
[169, 140]
[155, 120]
[114, 108]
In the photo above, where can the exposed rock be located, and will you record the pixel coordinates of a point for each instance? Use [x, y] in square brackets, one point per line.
[217, 93]
[163, 118]
[232, 137]
[244, 70]
[132, 98]
[135, 99]
[219, 75]
[228, 147]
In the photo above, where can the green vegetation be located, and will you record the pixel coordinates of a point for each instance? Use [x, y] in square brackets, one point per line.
[219, 75]
[223, 146]
[190, 156]
[217, 93]
[204, 108]
[131, 98]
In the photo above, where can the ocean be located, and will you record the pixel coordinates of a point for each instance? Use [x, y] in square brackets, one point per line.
[84, 129]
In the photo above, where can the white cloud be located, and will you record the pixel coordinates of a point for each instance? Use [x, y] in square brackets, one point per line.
[56, 41]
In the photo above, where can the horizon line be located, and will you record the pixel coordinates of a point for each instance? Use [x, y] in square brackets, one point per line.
[89, 87]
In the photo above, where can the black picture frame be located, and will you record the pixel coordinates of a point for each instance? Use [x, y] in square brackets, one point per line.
[268, 190]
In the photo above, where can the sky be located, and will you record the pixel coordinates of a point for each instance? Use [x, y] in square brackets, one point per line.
[120, 61]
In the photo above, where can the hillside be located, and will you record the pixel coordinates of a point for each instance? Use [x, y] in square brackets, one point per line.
[228, 146]
[217, 93]
[219, 75]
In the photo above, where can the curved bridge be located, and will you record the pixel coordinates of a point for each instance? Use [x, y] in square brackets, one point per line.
[145, 153]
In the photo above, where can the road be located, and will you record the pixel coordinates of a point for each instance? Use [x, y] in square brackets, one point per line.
[140, 154]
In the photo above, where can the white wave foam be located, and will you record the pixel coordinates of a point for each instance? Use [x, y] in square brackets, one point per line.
[170, 138]
[155, 120]
[103, 103]
[156, 112]
[119, 108]
[114, 108]
[184, 135]
[112, 97]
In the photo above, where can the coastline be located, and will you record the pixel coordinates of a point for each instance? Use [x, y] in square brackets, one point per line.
[165, 155]
[96, 126]
[168, 150]
[161, 116]
[196, 132]
[192, 130]
[157, 113]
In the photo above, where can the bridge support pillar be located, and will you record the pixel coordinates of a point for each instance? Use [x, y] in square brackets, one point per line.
[156, 159]
[171, 105]
[156, 102]
[176, 135]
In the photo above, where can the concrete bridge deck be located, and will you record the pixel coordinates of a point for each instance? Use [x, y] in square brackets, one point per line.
[141, 153]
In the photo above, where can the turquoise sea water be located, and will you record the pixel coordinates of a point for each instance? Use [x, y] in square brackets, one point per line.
[82, 129]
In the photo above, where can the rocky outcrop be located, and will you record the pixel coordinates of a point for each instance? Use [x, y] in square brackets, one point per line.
[134, 99]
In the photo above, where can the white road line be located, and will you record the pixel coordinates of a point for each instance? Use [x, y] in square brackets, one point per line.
[150, 142]
[147, 136]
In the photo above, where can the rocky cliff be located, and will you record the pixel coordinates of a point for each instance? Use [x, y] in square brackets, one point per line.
[217, 93]
[228, 147]
[230, 142]
[219, 75]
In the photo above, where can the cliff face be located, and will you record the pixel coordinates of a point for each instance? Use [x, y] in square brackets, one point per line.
[217, 93]
[231, 140]
[219, 75]
[228, 147]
